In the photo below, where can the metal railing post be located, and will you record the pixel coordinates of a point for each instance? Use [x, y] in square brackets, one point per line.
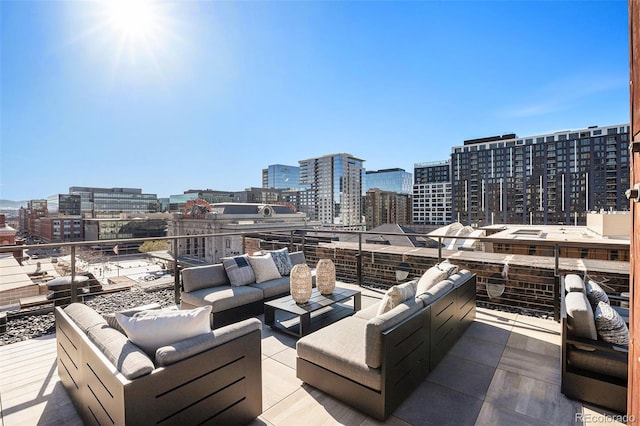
[359, 261]
[176, 273]
[439, 249]
[556, 284]
[74, 285]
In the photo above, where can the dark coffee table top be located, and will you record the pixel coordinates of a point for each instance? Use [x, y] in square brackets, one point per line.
[317, 301]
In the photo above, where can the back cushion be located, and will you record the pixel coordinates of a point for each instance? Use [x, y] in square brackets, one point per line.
[84, 317]
[297, 258]
[200, 277]
[380, 323]
[572, 282]
[580, 315]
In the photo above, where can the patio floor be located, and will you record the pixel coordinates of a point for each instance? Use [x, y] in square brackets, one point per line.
[505, 369]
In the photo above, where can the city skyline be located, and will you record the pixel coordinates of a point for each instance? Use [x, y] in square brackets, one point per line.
[206, 94]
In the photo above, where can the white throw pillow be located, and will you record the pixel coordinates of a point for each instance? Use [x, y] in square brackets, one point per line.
[396, 295]
[430, 278]
[264, 268]
[155, 328]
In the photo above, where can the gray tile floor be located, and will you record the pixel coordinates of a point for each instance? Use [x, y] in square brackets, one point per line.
[505, 369]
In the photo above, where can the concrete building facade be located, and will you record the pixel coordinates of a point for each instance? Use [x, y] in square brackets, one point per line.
[432, 193]
[386, 207]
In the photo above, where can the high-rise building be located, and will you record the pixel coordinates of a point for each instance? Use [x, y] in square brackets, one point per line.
[545, 179]
[111, 202]
[334, 196]
[280, 176]
[394, 180]
[432, 193]
[386, 207]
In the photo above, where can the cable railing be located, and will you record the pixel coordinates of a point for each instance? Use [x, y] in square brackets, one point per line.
[526, 279]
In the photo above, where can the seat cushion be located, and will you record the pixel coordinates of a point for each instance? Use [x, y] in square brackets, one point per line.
[223, 297]
[340, 348]
[273, 288]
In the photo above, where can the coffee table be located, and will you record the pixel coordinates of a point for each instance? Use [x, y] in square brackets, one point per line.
[285, 315]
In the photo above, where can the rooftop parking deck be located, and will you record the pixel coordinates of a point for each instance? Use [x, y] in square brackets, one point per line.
[505, 369]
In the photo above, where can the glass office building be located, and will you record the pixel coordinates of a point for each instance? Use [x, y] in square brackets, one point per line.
[392, 180]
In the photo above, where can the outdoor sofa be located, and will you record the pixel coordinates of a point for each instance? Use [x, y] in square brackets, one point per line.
[230, 288]
[594, 350]
[213, 377]
[374, 359]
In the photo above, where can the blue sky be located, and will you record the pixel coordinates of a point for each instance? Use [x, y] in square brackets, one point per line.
[205, 94]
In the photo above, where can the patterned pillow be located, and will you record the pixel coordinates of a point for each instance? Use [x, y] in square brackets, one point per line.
[264, 268]
[610, 325]
[447, 267]
[239, 270]
[282, 261]
[595, 293]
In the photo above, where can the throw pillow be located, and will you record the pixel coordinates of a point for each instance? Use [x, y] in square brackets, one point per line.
[430, 278]
[396, 295]
[239, 270]
[610, 325]
[595, 293]
[264, 268]
[282, 261]
[155, 328]
[447, 267]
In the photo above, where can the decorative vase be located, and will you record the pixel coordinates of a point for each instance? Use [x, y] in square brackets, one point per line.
[325, 276]
[300, 283]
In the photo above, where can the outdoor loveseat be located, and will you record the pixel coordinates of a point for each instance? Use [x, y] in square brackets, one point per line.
[594, 345]
[374, 359]
[236, 289]
[213, 377]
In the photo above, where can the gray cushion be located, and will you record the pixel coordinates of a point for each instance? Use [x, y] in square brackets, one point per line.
[572, 282]
[222, 298]
[239, 270]
[435, 292]
[282, 261]
[204, 276]
[340, 348]
[595, 293]
[610, 325]
[460, 277]
[186, 348]
[368, 312]
[272, 288]
[580, 315]
[84, 317]
[380, 323]
[297, 257]
[128, 358]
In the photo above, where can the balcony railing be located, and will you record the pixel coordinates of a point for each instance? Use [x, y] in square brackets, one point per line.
[530, 283]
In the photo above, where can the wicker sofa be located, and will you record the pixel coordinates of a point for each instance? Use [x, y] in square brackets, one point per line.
[593, 370]
[210, 285]
[214, 378]
[373, 361]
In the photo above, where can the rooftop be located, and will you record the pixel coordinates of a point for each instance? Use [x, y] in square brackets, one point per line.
[505, 369]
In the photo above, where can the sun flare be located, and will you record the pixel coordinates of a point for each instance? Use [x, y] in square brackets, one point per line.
[134, 19]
